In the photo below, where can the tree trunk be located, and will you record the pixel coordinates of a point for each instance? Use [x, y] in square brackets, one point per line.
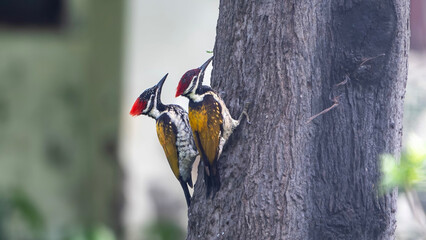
[288, 176]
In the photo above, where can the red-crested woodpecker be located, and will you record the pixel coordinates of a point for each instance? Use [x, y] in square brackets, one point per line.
[210, 120]
[174, 133]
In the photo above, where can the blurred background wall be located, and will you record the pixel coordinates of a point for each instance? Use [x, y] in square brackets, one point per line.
[60, 81]
[73, 163]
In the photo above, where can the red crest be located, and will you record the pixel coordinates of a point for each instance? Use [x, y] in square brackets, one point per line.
[138, 107]
[185, 81]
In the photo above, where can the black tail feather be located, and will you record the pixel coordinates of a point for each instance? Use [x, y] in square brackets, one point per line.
[211, 174]
[185, 191]
[212, 179]
[215, 178]
[207, 181]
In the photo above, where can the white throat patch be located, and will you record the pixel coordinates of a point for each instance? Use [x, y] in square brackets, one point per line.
[196, 98]
[154, 111]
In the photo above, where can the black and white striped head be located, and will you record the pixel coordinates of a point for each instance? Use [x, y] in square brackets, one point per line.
[192, 80]
[149, 102]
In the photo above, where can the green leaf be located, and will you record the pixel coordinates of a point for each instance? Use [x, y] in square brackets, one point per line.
[95, 233]
[22, 204]
[410, 172]
[164, 230]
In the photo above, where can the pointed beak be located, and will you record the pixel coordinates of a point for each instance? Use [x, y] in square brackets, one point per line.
[202, 70]
[204, 66]
[161, 82]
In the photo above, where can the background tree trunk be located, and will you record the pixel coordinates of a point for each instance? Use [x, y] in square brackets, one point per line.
[284, 178]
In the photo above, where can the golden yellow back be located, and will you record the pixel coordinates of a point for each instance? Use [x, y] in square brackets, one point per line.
[167, 139]
[206, 121]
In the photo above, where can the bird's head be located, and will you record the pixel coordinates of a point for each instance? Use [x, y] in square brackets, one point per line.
[192, 79]
[150, 99]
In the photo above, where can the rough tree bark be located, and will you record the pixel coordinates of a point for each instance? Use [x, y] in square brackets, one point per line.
[282, 176]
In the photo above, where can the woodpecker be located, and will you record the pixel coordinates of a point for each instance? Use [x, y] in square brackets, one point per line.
[173, 131]
[210, 120]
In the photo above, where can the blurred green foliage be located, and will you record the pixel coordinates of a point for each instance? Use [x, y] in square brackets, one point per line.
[410, 172]
[163, 230]
[16, 202]
[21, 203]
[95, 233]
[409, 175]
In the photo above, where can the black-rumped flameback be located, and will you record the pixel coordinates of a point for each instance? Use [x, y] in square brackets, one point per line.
[174, 133]
[210, 120]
